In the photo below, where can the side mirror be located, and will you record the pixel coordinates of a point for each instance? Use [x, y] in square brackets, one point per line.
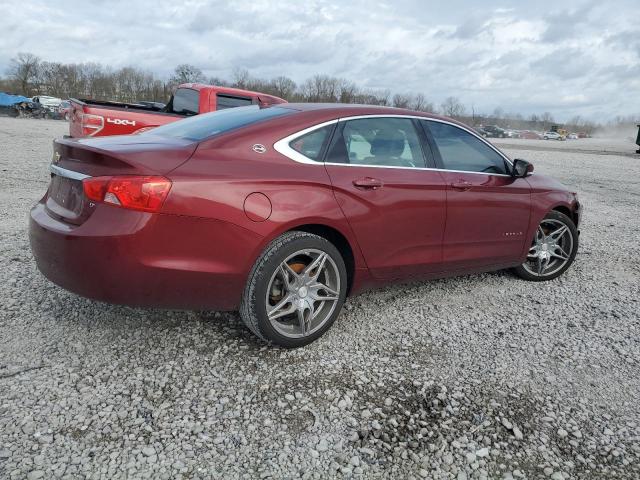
[521, 168]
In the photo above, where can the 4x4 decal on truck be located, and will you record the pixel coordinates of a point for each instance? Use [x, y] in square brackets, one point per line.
[121, 121]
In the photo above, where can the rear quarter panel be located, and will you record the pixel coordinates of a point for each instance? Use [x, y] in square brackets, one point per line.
[221, 174]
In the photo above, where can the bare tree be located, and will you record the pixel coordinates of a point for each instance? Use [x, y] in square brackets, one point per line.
[186, 73]
[349, 92]
[241, 78]
[283, 87]
[380, 97]
[401, 101]
[321, 88]
[452, 107]
[421, 104]
[24, 69]
[218, 81]
[51, 77]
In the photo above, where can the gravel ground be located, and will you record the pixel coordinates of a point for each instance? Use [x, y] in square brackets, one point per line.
[604, 146]
[484, 376]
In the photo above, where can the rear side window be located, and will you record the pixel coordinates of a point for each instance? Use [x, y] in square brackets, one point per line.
[228, 101]
[462, 151]
[208, 124]
[186, 101]
[311, 144]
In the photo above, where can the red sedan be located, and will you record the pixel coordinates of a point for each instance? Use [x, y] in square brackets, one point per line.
[281, 212]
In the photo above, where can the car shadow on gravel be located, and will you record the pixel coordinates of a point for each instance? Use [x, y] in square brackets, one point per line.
[227, 327]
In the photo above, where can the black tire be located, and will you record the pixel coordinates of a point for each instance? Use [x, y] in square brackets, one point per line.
[253, 308]
[523, 273]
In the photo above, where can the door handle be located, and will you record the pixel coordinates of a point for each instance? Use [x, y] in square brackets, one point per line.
[368, 183]
[462, 185]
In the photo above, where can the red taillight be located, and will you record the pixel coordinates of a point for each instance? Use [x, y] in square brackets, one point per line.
[95, 188]
[133, 192]
[91, 124]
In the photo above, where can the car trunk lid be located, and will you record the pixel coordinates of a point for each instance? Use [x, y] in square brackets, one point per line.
[77, 159]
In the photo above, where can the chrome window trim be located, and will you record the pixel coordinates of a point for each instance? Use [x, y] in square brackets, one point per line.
[63, 172]
[282, 146]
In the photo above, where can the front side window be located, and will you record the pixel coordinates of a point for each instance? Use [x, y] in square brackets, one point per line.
[228, 101]
[462, 151]
[391, 142]
[311, 144]
[186, 101]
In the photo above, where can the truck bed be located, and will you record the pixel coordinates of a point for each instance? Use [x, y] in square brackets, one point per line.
[118, 105]
[99, 117]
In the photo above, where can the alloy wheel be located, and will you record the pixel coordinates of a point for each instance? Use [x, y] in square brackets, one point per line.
[303, 293]
[551, 248]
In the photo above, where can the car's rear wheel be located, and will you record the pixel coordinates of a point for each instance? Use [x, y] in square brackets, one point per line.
[552, 250]
[295, 290]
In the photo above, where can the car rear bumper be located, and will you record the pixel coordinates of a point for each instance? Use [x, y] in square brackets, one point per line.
[141, 259]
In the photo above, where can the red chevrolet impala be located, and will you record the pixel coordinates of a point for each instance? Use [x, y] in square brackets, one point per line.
[283, 211]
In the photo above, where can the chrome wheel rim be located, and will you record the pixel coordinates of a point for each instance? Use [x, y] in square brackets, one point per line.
[303, 293]
[551, 248]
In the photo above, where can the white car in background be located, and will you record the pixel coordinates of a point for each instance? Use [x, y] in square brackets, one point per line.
[50, 103]
[552, 136]
[512, 133]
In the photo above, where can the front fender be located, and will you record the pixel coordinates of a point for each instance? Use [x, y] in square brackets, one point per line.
[547, 194]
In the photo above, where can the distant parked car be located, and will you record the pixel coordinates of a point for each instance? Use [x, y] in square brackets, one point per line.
[64, 110]
[51, 104]
[583, 135]
[572, 136]
[512, 133]
[493, 131]
[553, 136]
[481, 131]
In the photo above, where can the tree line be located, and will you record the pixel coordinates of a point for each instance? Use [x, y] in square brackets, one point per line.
[29, 75]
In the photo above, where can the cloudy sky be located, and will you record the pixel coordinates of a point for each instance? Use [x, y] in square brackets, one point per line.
[569, 58]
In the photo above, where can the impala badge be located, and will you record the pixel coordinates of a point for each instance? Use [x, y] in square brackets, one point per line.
[56, 157]
[259, 148]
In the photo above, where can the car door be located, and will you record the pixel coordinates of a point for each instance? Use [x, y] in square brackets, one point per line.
[487, 210]
[394, 204]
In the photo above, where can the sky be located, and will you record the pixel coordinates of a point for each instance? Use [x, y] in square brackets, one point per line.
[567, 58]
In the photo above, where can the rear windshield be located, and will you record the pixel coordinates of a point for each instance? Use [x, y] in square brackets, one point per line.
[185, 101]
[208, 124]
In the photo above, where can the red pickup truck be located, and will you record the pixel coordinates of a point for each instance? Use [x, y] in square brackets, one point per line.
[96, 118]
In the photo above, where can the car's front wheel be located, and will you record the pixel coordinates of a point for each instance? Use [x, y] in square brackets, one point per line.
[552, 250]
[295, 290]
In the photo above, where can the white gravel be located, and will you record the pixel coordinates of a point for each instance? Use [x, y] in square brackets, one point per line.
[484, 376]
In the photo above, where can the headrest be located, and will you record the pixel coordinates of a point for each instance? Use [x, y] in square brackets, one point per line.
[388, 143]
